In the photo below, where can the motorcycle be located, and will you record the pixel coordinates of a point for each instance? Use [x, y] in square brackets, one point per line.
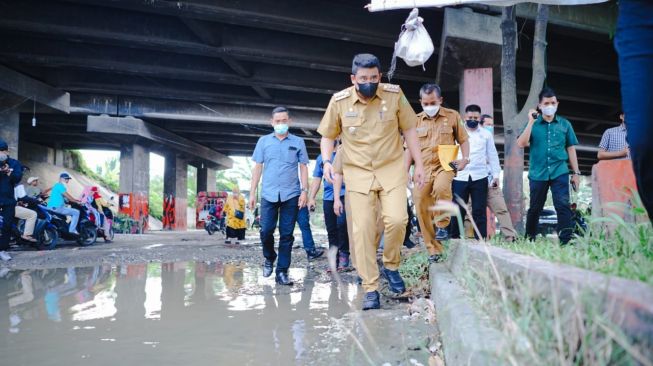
[212, 224]
[85, 227]
[45, 231]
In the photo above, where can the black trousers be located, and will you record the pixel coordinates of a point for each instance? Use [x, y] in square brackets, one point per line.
[560, 194]
[477, 190]
[8, 214]
[336, 227]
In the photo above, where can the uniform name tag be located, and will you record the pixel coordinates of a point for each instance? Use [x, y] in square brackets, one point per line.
[351, 114]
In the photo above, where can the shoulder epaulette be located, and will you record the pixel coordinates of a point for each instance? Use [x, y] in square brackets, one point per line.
[392, 88]
[341, 95]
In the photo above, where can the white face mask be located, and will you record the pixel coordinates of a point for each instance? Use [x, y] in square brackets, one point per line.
[549, 110]
[431, 110]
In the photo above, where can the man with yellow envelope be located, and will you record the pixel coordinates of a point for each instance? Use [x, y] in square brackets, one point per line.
[438, 129]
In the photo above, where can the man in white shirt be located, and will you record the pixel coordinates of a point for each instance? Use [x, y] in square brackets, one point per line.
[472, 181]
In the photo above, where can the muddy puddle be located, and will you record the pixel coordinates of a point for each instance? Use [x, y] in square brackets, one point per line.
[198, 313]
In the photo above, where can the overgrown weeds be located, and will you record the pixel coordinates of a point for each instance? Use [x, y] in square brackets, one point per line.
[546, 326]
[625, 250]
[414, 270]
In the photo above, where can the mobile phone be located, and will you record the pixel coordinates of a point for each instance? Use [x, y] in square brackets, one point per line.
[573, 185]
[454, 167]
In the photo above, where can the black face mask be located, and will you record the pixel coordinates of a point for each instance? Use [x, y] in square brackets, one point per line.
[472, 123]
[368, 89]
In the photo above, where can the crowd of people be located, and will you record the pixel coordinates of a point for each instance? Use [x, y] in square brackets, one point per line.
[373, 144]
[19, 202]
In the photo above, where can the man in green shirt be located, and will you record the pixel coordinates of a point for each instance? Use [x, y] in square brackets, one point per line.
[551, 139]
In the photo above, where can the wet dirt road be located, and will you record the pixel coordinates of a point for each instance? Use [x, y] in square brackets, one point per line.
[185, 299]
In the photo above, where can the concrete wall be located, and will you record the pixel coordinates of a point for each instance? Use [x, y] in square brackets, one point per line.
[37, 153]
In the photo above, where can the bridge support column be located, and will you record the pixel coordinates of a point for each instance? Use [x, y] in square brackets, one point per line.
[476, 88]
[134, 182]
[175, 193]
[206, 180]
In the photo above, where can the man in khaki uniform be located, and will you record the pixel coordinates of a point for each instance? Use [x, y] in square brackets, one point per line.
[436, 126]
[369, 116]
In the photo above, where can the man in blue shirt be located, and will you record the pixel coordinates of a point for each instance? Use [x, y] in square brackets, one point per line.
[57, 202]
[277, 156]
[336, 225]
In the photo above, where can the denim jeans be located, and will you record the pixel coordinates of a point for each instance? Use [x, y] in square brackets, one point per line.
[285, 213]
[304, 222]
[74, 216]
[560, 193]
[336, 227]
[477, 190]
[633, 44]
[8, 213]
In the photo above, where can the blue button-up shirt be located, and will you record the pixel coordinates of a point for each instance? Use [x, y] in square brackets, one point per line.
[318, 172]
[280, 159]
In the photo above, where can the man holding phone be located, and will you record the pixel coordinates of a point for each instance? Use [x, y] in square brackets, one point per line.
[551, 139]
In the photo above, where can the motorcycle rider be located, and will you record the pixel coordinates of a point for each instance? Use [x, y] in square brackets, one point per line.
[11, 172]
[56, 202]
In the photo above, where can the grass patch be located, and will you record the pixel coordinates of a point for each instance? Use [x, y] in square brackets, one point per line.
[543, 327]
[414, 269]
[625, 252]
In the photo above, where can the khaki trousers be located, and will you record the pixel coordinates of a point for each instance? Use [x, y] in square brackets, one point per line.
[437, 187]
[392, 205]
[497, 204]
[30, 219]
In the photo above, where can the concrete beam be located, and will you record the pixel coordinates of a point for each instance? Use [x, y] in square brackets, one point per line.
[469, 41]
[24, 86]
[186, 111]
[138, 128]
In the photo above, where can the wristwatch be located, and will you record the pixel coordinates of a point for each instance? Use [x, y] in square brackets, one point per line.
[304, 190]
[467, 159]
[327, 161]
[576, 173]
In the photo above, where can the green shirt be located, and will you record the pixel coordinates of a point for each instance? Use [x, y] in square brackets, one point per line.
[548, 148]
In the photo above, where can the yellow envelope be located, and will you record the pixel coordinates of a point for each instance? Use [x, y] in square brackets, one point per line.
[447, 154]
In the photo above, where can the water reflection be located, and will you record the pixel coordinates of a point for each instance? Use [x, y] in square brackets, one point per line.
[170, 313]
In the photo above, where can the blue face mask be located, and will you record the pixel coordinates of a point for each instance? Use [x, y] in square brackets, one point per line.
[281, 129]
[490, 128]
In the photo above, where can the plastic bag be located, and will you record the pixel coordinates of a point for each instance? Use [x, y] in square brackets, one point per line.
[414, 45]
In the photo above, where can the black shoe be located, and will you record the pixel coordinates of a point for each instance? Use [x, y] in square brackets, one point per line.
[436, 258]
[371, 301]
[267, 268]
[409, 244]
[395, 281]
[282, 279]
[441, 234]
[314, 254]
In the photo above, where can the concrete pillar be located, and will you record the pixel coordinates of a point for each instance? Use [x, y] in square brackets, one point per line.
[134, 169]
[175, 191]
[58, 154]
[9, 130]
[206, 180]
[476, 88]
[134, 182]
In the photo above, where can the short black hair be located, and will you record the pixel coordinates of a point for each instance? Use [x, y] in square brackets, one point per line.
[547, 93]
[484, 116]
[365, 61]
[427, 89]
[280, 109]
[473, 108]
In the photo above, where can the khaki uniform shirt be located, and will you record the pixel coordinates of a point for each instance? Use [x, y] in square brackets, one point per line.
[371, 138]
[445, 128]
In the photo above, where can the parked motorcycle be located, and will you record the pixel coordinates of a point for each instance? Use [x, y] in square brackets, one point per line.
[212, 224]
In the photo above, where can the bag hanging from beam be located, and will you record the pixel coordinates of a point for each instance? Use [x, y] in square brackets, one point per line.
[414, 45]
